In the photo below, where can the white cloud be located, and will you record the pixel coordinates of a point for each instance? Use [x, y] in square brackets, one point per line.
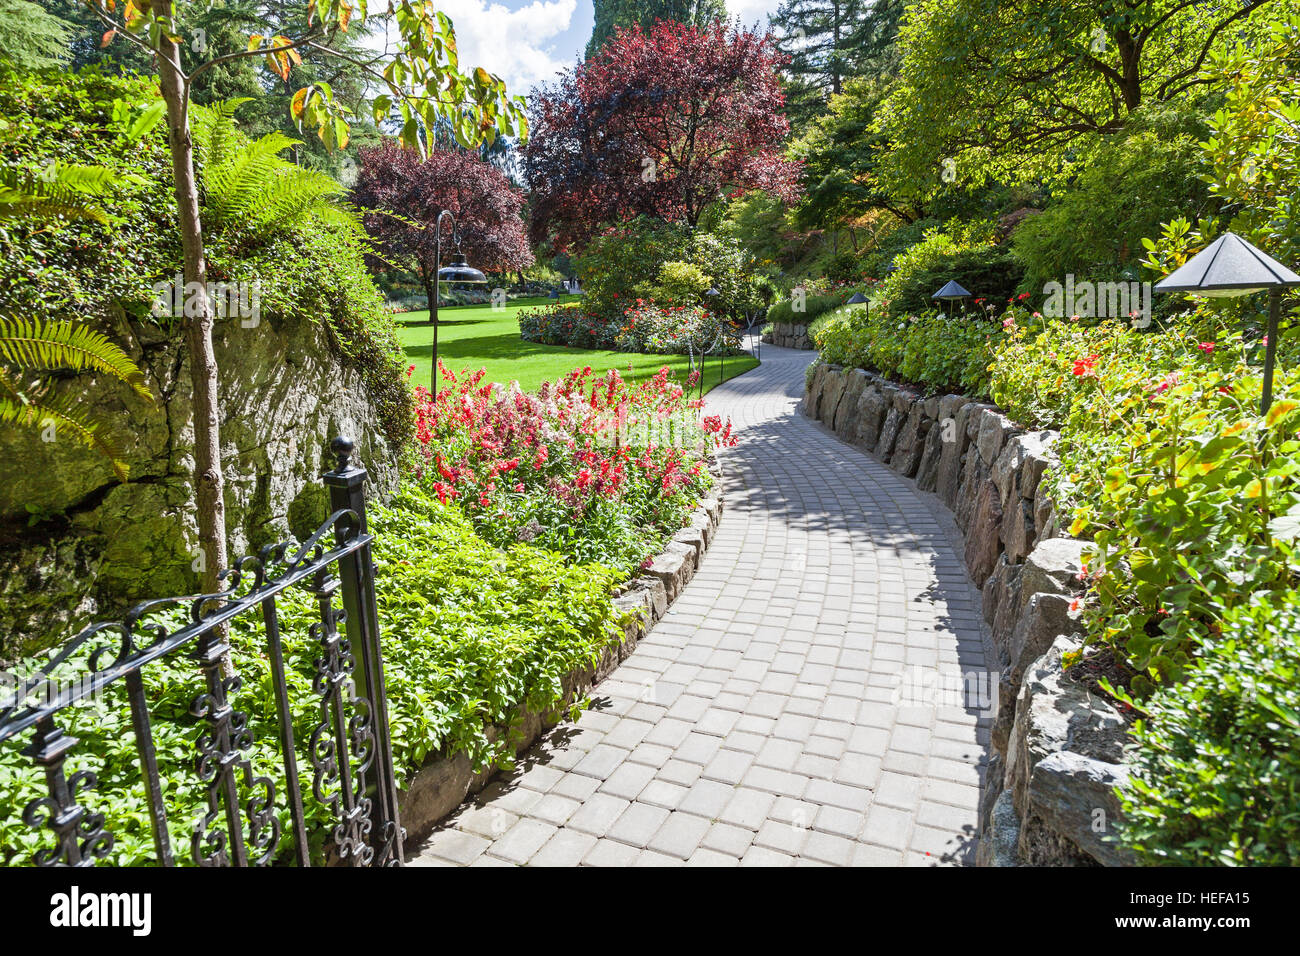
[750, 11]
[517, 45]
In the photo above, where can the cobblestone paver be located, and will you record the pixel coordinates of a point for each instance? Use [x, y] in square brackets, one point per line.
[816, 696]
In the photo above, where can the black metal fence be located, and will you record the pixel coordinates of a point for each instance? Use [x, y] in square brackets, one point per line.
[349, 749]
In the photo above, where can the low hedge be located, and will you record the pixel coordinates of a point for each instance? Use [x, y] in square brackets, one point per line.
[931, 351]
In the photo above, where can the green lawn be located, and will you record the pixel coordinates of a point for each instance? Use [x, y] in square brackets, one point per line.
[475, 336]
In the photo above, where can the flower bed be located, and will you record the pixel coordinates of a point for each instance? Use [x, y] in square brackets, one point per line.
[595, 469]
[644, 327]
[495, 569]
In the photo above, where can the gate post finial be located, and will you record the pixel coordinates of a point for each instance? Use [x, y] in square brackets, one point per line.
[342, 446]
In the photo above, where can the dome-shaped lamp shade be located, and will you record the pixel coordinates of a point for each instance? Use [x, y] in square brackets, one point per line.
[459, 270]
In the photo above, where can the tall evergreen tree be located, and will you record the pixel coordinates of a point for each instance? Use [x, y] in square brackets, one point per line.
[830, 42]
[613, 14]
[31, 38]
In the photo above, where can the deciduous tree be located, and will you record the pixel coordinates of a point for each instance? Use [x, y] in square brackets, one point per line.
[1002, 88]
[663, 122]
[423, 82]
[487, 208]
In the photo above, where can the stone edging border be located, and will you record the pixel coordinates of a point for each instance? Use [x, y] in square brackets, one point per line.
[1057, 748]
[444, 783]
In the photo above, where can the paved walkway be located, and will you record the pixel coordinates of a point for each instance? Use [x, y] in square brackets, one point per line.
[790, 708]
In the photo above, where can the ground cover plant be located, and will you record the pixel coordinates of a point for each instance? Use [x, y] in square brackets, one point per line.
[469, 632]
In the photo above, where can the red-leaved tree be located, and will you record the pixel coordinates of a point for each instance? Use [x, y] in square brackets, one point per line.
[487, 208]
[662, 121]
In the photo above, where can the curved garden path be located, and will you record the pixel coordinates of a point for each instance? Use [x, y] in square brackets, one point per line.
[789, 708]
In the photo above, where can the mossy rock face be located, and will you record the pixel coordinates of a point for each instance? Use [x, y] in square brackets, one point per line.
[78, 544]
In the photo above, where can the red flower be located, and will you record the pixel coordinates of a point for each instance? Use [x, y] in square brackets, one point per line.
[1206, 347]
[1086, 366]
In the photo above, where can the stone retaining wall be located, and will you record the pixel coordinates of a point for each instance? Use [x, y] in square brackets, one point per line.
[1057, 747]
[789, 335]
[443, 783]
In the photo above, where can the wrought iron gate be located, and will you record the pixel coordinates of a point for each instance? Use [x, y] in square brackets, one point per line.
[349, 750]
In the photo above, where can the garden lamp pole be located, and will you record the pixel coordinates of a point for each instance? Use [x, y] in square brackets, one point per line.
[458, 271]
[713, 295]
[1230, 267]
[433, 306]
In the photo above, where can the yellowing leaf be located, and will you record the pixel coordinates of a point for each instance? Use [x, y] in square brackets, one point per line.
[254, 42]
[1254, 489]
[1280, 409]
[299, 99]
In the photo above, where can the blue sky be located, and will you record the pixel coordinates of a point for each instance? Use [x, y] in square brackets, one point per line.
[528, 41]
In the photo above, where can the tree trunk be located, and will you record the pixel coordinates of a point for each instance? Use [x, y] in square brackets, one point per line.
[1130, 56]
[208, 483]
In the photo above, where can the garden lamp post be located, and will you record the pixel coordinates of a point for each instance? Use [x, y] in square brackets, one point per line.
[713, 296]
[952, 292]
[1229, 267]
[858, 298]
[459, 270]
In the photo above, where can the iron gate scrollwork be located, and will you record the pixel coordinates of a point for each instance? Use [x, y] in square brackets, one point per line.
[349, 749]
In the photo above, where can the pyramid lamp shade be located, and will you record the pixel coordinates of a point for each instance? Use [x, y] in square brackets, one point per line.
[1230, 266]
[856, 299]
[951, 292]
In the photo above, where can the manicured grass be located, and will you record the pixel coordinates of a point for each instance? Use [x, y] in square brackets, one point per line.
[475, 336]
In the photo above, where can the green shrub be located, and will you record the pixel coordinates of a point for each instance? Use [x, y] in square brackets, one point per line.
[1216, 770]
[933, 351]
[678, 284]
[814, 306]
[991, 273]
[469, 632]
[1094, 227]
[625, 263]
[1189, 502]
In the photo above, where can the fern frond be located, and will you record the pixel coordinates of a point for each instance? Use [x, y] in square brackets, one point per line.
[61, 190]
[340, 215]
[38, 410]
[292, 194]
[235, 188]
[213, 129]
[49, 344]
